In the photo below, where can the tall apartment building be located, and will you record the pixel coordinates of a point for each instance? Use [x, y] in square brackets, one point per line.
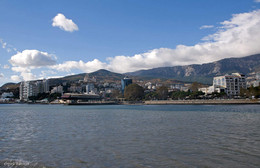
[232, 83]
[32, 88]
[125, 82]
[27, 89]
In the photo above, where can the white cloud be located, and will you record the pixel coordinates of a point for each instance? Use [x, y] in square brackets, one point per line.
[24, 62]
[45, 73]
[6, 67]
[4, 45]
[83, 66]
[2, 75]
[27, 76]
[257, 0]
[15, 78]
[237, 37]
[32, 59]
[51, 77]
[63, 23]
[206, 26]
[20, 69]
[7, 47]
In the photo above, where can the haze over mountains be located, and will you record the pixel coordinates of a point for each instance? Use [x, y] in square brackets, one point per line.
[203, 73]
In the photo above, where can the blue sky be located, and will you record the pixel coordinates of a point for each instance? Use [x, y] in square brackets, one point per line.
[121, 35]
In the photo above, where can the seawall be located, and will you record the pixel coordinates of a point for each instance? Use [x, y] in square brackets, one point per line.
[224, 101]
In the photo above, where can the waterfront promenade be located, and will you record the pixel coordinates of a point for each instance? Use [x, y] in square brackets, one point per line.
[199, 101]
[158, 102]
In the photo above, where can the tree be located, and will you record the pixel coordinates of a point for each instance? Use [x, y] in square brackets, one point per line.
[116, 94]
[243, 92]
[53, 96]
[195, 86]
[197, 94]
[32, 98]
[162, 92]
[134, 92]
[250, 92]
[151, 96]
[180, 95]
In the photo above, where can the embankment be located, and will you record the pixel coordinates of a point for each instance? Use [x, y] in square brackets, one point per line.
[224, 101]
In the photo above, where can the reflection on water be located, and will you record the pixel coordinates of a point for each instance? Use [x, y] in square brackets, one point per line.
[129, 136]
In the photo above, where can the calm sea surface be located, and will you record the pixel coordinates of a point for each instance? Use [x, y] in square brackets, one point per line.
[130, 136]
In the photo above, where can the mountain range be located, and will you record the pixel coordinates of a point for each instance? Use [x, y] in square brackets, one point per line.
[202, 73]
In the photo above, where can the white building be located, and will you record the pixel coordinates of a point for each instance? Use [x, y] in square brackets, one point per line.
[90, 88]
[211, 89]
[27, 89]
[7, 95]
[33, 88]
[75, 89]
[232, 83]
[148, 85]
[177, 86]
[253, 80]
[57, 89]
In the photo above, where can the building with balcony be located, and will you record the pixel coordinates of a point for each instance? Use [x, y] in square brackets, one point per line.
[231, 83]
[33, 88]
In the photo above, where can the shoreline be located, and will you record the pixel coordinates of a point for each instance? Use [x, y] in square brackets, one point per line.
[161, 102]
[202, 102]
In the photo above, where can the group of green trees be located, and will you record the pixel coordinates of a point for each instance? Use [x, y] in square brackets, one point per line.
[250, 92]
[48, 96]
[135, 92]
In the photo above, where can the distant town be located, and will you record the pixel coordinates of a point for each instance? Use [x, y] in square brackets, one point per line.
[90, 90]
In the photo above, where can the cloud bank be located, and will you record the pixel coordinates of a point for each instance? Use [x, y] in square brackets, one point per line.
[23, 62]
[237, 37]
[83, 66]
[63, 23]
[16, 78]
[32, 58]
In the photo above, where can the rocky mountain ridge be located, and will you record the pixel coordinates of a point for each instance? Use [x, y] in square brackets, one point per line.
[205, 72]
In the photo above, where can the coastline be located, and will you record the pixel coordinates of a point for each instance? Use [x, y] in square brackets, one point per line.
[161, 102]
[201, 102]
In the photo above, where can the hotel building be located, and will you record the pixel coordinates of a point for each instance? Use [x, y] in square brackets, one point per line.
[231, 83]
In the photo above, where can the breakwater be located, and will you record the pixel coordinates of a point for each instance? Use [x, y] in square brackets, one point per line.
[221, 101]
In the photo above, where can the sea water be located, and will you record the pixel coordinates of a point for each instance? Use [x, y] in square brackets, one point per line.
[130, 136]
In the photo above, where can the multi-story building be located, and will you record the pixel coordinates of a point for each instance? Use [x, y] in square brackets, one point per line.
[90, 88]
[27, 89]
[7, 95]
[75, 89]
[232, 83]
[125, 82]
[57, 89]
[211, 89]
[253, 79]
[33, 88]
